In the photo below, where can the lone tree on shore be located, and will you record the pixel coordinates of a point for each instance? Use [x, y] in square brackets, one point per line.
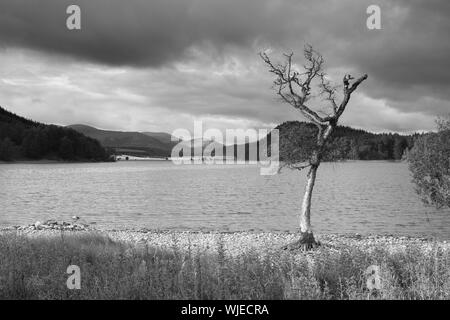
[298, 88]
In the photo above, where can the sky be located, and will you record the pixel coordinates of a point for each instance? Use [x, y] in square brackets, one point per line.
[160, 65]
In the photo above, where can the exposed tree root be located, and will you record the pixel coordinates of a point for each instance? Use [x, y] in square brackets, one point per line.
[305, 243]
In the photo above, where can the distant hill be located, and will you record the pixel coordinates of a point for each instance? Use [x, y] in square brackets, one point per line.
[297, 139]
[152, 144]
[161, 136]
[24, 139]
[21, 138]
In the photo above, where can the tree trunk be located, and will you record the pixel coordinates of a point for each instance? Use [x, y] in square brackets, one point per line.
[305, 215]
[306, 241]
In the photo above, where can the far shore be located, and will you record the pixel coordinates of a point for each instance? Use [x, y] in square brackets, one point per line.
[48, 161]
[31, 162]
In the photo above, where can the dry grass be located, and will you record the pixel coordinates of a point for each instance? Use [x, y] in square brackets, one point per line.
[35, 268]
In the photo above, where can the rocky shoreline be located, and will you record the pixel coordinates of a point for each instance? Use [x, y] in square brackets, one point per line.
[233, 243]
[53, 225]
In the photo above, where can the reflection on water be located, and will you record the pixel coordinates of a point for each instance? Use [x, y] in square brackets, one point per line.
[360, 196]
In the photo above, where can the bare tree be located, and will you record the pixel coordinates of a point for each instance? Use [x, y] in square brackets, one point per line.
[296, 88]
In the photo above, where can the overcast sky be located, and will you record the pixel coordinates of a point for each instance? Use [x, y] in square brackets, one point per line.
[158, 65]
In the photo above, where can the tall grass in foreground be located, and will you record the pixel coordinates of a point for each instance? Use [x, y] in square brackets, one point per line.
[36, 269]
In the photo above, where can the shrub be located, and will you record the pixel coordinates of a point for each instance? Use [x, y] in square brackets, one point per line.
[429, 162]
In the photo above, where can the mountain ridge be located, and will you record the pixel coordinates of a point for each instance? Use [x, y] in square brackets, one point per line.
[24, 139]
[153, 144]
[21, 137]
[347, 143]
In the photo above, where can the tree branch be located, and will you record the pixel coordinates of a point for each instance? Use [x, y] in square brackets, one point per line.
[295, 88]
[286, 78]
[348, 90]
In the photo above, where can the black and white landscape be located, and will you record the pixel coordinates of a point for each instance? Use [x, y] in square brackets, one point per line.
[216, 150]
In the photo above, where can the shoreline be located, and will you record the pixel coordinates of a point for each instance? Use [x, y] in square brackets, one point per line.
[47, 161]
[239, 242]
[50, 161]
[31, 162]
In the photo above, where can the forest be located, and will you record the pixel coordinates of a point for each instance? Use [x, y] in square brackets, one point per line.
[345, 144]
[23, 139]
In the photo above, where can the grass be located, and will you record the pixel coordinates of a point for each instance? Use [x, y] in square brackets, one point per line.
[35, 268]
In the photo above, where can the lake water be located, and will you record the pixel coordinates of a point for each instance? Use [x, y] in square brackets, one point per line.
[361, 196]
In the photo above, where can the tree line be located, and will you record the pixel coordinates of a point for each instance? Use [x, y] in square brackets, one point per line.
[297, 141]
[23, 139]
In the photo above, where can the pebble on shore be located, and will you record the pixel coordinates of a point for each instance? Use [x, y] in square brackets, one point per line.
[234, 243]
[51, 225]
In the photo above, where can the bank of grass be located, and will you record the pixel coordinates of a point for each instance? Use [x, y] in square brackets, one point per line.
[35, 268]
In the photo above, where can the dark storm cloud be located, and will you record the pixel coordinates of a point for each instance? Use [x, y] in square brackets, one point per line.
[134, 32]
[411, 52]
[412, 48]
[407, 61]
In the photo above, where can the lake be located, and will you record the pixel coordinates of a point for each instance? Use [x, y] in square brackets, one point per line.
[355, 196]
